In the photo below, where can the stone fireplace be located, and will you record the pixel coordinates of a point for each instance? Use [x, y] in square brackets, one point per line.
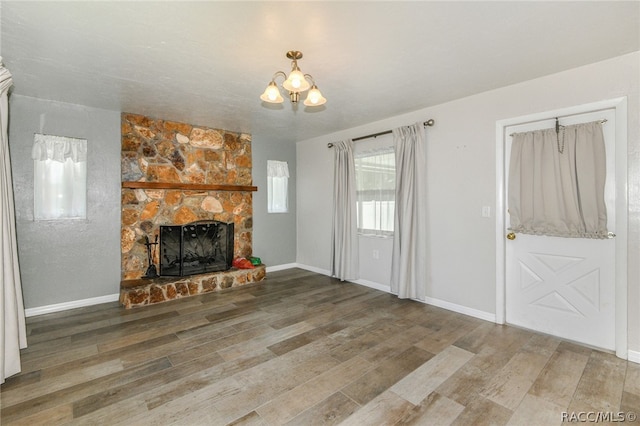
[174, 174]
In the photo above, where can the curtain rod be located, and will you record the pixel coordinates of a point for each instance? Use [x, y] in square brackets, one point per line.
[429, 123]
[558, 125]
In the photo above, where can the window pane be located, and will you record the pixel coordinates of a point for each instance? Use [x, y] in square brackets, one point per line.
[375, 192]
[277, 186]
[60, 177]
[60, 189]
[277, 194]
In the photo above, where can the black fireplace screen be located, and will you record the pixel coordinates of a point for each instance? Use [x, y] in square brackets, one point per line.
[196, 248]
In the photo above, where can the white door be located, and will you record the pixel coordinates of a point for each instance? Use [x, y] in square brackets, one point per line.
[565, 286]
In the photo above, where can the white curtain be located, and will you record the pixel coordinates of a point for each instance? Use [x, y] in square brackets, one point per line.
[556, 182]
[13, 335]
[344, 235]
[408, 266]
[60, 177]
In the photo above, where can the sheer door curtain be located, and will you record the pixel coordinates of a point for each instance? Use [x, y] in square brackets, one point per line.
[556, 182]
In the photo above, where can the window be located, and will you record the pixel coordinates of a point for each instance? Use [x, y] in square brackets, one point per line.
[60, 177]
[277, 182]
[375, 191]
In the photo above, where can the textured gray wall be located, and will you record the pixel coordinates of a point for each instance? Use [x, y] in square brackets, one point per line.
[70, 260]
[274, 234]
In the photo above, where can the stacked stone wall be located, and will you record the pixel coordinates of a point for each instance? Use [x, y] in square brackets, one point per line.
[169, 152]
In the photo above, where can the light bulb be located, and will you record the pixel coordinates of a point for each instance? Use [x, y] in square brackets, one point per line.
[314, 97]
[272, 94]
[295, 79]
[296, 82]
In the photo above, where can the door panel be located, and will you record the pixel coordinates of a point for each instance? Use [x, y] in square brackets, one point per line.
[565, 286]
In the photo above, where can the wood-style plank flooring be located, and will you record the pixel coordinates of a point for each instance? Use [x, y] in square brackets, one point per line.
[303, 349]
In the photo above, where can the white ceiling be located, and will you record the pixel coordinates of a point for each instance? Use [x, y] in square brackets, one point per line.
[207, 63]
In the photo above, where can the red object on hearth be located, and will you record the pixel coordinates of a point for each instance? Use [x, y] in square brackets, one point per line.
[242, 263]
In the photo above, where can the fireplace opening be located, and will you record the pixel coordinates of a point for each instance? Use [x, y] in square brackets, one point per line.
[196, 248]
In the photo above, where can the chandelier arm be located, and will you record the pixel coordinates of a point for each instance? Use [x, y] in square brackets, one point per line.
[310, 78]
[279, 73]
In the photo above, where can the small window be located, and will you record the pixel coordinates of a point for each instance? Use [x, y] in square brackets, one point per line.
[60, 177]
[375, 191]
[277, 186]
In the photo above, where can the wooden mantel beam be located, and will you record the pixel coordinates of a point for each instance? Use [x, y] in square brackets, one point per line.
[187, 186]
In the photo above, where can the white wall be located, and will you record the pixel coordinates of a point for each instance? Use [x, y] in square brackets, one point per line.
[461, 158]
[274, 234]
[375, 267]
[67, 260]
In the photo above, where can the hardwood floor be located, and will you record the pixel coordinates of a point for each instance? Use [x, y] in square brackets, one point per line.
[301, 348]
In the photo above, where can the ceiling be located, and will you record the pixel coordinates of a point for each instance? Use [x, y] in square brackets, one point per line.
[206, 63]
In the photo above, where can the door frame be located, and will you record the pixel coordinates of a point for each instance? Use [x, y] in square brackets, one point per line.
[620, 107]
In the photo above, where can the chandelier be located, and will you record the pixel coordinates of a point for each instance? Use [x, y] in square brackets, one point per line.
[295, 83]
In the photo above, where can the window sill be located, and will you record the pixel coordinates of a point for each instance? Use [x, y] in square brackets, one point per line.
[374, 236]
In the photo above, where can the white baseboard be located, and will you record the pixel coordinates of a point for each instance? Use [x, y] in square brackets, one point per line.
[58, 307]
[366, 283]
[487, 316]
[313, 269]
[373, 285]
[281, 267]
[633, 356]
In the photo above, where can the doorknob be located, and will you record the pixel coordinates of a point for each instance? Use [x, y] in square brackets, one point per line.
[511, 236]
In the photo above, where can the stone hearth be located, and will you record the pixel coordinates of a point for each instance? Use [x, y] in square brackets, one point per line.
[141, 292]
